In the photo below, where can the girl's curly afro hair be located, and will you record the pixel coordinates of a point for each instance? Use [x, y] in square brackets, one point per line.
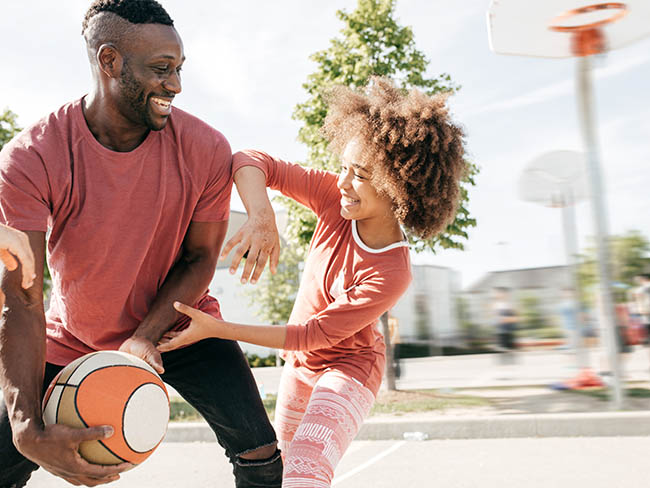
[410, 146]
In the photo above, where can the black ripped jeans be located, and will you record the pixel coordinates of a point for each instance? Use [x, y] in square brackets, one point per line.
[214, 377]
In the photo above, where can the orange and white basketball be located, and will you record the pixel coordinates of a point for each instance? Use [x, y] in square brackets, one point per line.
[111, 388]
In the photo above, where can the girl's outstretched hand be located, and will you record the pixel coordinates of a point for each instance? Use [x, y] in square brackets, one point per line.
[201, 327]
[15, 244]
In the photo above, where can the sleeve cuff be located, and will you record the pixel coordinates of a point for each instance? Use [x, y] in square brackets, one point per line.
[292, 340]
[245, 158]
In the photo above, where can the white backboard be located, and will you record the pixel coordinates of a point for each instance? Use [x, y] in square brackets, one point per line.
[521, 27]
[555, 179]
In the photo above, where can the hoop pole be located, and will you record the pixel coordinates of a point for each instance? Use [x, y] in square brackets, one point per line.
[571, 250]
[586, 115]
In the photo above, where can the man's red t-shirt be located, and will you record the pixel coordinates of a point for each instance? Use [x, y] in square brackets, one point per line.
[116, 220]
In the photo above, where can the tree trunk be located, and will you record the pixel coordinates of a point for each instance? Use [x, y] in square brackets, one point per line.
[390, 363]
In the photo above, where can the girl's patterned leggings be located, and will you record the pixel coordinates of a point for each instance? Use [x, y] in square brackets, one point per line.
[316, 418]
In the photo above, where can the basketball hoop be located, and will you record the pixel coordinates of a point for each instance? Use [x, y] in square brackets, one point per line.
[520, 27]
[588, 39]
[621, 8]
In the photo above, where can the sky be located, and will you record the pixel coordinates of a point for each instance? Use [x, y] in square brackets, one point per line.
[247, 61]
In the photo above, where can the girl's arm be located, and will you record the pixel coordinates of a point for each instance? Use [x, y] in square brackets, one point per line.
[251, 186]
[204, 326]
[354, 310]
[310, 187]
[252, 172]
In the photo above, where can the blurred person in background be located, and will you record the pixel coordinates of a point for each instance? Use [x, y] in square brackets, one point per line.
[642, 301]
[395, 341]
[634, 317]
[569, 317]
[506, 324]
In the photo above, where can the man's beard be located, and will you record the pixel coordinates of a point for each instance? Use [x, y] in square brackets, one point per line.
[133, 97]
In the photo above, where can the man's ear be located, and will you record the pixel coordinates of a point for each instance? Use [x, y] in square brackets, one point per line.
[109, 60]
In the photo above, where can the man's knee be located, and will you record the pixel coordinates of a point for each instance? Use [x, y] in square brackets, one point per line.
[264, 452]
[259, 467]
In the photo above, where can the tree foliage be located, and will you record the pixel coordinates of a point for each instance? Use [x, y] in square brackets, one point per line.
[371, 43]
[274, 296]
[630, 256]
[8, 126]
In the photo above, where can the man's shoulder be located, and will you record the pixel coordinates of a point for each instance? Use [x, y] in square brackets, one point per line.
[191, 128]
[49, 133]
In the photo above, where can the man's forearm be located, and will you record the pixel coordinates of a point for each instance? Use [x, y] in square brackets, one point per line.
[186, 282]
[22, 344]
[22, 362]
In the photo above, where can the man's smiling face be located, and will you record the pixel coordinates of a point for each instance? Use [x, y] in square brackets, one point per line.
[150, 76]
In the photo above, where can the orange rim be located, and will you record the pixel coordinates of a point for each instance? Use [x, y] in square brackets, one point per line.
[621, 8]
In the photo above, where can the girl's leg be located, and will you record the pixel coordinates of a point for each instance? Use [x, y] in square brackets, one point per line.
[293, 395]
[334, 415]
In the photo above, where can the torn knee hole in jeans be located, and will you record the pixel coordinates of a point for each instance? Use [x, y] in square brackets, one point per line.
[257, 462]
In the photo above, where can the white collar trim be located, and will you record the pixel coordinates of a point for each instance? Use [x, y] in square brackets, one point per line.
[362, 245]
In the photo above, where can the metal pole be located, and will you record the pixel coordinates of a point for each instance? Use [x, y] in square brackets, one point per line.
[390, 361]
[586, 114]
[571, 249]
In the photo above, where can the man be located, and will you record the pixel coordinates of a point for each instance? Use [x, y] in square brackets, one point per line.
[135, 196]
[506, 324]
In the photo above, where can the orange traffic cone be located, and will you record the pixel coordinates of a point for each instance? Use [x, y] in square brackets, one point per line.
[586, 378]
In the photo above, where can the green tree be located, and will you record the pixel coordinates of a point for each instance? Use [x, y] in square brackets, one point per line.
[630, 255]
[8, 126]
[372, 43]
[8, 129]
[275, 293]
[531, 314]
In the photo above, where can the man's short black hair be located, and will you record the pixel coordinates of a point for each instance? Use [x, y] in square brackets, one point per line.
[133, 11]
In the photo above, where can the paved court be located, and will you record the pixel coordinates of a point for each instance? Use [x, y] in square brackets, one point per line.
[494, 463]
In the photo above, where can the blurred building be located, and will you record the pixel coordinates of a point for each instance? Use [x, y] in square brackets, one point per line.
[544, 285]
[427, 312]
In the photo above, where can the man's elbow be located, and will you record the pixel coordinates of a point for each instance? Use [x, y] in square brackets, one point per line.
[202, 262]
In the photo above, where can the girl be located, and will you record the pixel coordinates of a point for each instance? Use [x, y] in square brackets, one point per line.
[402, 160]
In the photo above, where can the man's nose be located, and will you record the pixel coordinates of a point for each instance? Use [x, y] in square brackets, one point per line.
[173, 83]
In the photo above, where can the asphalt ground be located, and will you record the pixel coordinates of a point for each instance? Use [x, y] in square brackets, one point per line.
[596, 462]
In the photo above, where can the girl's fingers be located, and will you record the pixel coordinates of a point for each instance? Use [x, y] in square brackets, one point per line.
[8, 260]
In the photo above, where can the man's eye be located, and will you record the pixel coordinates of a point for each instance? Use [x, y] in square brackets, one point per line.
[160, 69]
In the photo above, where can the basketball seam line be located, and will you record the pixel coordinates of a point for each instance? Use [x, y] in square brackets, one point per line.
[58, 403]
[84, 422]
[124, 413]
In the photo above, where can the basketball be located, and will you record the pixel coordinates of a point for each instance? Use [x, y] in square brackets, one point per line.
[110, 388]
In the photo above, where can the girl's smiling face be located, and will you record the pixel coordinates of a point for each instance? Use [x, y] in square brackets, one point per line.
[359, 198]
